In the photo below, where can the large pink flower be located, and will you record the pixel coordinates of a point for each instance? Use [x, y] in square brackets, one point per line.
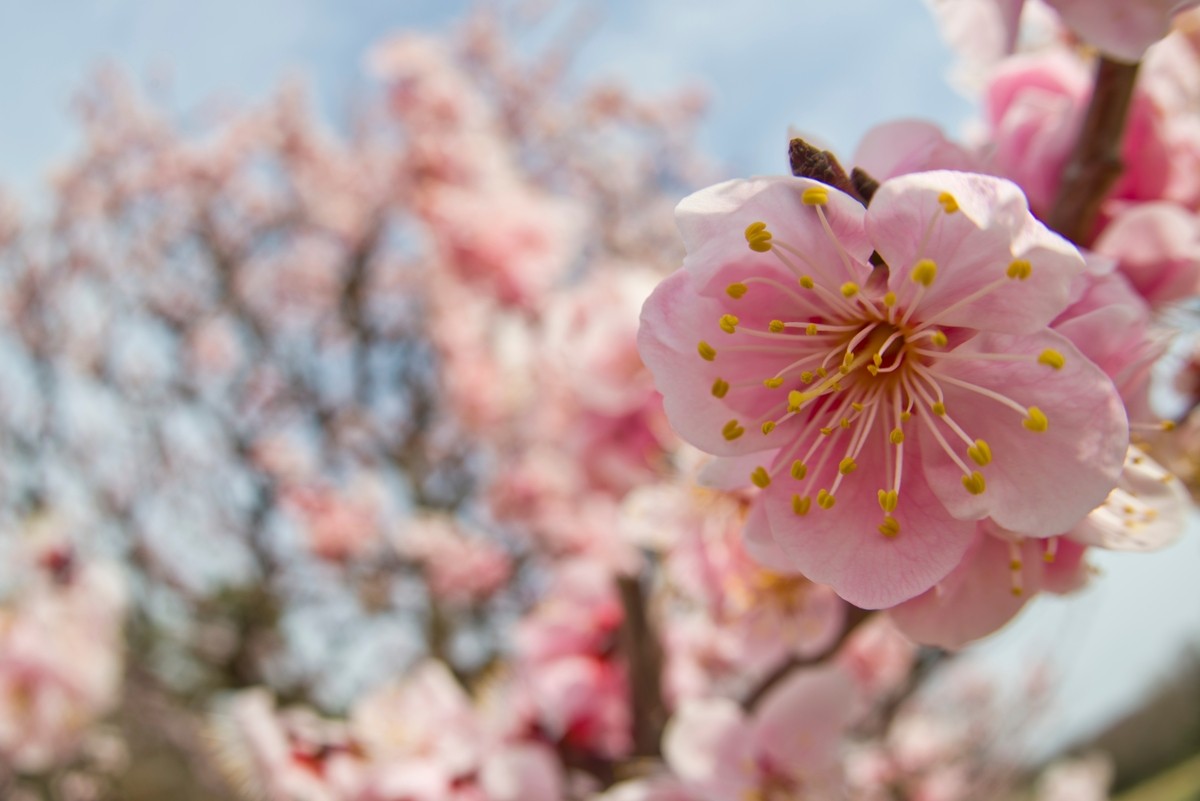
[891, 407]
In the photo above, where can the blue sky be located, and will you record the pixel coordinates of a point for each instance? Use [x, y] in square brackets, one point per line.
[829, 68]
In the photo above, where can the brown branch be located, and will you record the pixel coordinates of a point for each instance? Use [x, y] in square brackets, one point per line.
[1095, 164]
[643, 651]
[854, 618]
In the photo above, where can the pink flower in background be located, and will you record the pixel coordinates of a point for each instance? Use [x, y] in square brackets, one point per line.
[787, 748]
[1157, 248]
[459, 566]
[339, 525]
[1123, 29]
[61, 655]
[565, 659]
[998, 575]
[889, 409]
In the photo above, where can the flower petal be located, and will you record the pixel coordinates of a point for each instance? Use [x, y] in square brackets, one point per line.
[1146, 511]
[1039, 483]
[713, 223]
[973, 248]
[843, 546]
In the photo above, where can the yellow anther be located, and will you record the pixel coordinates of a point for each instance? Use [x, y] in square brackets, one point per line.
[1167, 425]
[1015, 564]
[799, 470]
[845, 422]
[889, 299]
[801, 504]
[877, 359]
[822, 372]
[768, 427]
[720, 387]
[775, 326]
[795, 400]
[896, 437]
[1048, 556]
[758, 237]
[826, 431]
[1020, 269]
[924, 272]
[949, 204]
[732, 430]
[905, 417]
[728, 323]
[760, 477]
[807, 377]
[1017, 591]
[1052, 358]
[856, 406]
[760, 243]
[849, 289]
[847, 358]
[815, 196]
[773, 383]
[873, 369]
[1036, 421]
[825, 500]
[737, 290]
[938, 408]
[888, 500]
[811, 329]
[939, 338]
[806, 282]
[980, 453]
[890, 527]
[974, 483]
[707, 351]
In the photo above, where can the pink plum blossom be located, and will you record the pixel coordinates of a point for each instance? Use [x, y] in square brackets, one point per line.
[60, 657]
[1123, 29]
[787, 748]
[891, 408]
[565, 658]
[1157, 247]
[459, 565]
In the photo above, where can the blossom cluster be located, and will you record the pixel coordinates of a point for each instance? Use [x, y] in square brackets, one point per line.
[408, 463]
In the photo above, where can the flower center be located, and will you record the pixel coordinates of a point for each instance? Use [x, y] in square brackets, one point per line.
[856, 366]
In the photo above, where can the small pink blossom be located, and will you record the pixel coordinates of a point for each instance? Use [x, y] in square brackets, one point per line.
[60, 657]
[788, 747]
[459, 566]
[338, 524]
[891, 408]
[1157, 247]
[1123, 29]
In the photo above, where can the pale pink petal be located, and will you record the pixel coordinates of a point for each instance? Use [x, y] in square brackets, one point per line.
[1157, 247]
[843, 546]
[707, 743]
[713, 223]
[1147, 510]
[675, 320]
[973, 248]
[1122, 29]
[998, 576]
[1040, 483]
[973, 601]
[900, 147]
[522, 772]
[799, 724]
